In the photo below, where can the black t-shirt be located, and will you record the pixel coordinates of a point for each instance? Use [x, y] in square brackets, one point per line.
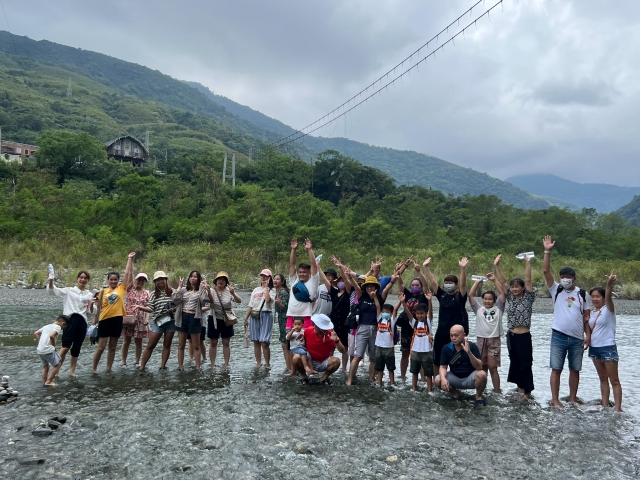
[412, 302]
[341, 307]
[368, 310]
[452, 312]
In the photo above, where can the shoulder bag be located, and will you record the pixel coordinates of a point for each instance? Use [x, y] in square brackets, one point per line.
[229, 317]
[256, 315]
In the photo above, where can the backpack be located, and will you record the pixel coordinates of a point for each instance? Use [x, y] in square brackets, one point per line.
[581, 293]
[354, 317]
[301, 292]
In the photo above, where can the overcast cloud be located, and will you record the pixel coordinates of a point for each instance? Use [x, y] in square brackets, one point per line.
[545, 86]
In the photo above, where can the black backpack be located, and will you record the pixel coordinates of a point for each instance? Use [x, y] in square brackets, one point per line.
[581, 292]
[353, 317]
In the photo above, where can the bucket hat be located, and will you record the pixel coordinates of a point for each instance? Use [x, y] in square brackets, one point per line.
[222, 274]
[321, 321]
[159, 274]
[371, 281]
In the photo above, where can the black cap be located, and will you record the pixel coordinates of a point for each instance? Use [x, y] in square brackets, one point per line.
[331, 271]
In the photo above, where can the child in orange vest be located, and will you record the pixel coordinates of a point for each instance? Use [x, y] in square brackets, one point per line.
[385, 354]
[421, 344]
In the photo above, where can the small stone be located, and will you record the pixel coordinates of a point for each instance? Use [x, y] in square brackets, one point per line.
[208, 446]
[32, 461]
[5, 379]
[42, 432]
[11, 399]
[14, 393]
[89, 424]
[4, 392]
[392, 458]
[53, 424]
[3, 398]
[186, 468]
[302, 450]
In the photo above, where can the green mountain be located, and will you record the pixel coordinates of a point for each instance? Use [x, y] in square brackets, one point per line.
[111, 97]
[631, 211]
[601, 196]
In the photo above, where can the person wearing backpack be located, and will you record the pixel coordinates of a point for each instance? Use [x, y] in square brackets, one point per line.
[304, 281]
[570, 326]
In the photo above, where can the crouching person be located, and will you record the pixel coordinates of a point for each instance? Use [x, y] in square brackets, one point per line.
[465, 366]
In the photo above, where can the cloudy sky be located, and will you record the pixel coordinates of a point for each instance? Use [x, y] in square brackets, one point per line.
[543, 86]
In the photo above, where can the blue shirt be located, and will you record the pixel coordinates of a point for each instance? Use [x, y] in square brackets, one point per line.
[459, 363]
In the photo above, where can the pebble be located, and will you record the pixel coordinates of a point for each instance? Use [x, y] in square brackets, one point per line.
[302, 450]
[32, 461]
[392, 458]
[42, 432]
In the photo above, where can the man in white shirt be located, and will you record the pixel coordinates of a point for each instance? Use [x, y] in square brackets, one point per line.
[304, 280]
[571, 333]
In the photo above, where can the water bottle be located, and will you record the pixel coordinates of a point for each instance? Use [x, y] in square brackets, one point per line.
[522, 256]
[475, 278]
[318, 258]
[51, 272]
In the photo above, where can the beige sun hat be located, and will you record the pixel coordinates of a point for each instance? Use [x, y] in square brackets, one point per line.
[159, 274]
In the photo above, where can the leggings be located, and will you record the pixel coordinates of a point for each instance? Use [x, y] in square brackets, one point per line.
[74, 334]
[521, 356]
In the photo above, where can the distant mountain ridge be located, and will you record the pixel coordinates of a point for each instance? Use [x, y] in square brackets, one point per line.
[236, 127]
[603, 197]
[631, 211]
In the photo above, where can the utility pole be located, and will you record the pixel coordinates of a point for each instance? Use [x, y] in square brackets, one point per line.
[233, 168]
[69, 91]
[146, 143]
[224, 168]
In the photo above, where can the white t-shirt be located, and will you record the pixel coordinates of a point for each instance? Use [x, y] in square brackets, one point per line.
[297, 339]
[257, 297]
[604, 335]
[488, 320]
[421, 341]
[384, 337]
[302, 309]
[323, 301]
[74, 300]
[44, 345]
[567, 311]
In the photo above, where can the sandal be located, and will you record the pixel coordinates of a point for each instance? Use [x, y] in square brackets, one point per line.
[481, 403]
[136, 365]
[124, 365]
[304, 381]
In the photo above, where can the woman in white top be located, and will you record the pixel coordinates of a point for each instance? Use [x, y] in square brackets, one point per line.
[261, 312]
[602, 349]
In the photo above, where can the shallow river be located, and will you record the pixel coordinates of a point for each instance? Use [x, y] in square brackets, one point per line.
[250, 423]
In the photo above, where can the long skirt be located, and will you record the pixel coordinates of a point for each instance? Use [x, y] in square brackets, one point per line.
[260, 329]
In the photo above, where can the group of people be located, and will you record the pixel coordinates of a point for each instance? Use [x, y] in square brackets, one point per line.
[327, 310]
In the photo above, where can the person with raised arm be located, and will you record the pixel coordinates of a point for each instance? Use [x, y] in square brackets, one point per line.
[603, 350]
[340, 307]
[520, 298]
[453, 299]
[77, 301]
[570, 330]
[320, 342]
[112, 309]
[304, 282]
[260, 312]
[489, 310]
[136, 296]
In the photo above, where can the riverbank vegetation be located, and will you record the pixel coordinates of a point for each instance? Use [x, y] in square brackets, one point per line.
[90, 213]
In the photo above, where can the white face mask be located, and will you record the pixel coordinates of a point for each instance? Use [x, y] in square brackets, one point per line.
[449, 287]
[567, 283]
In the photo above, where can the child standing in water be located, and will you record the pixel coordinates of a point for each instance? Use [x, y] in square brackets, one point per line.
[385, 354]
[46, 337]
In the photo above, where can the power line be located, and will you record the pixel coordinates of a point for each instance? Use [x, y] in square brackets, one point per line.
[384, 87]
[15, 51]
[410, 57]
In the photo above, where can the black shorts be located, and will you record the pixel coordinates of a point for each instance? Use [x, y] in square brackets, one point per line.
[385, 357]
[405, 344]
[190, 324]
[219, 329]
[110, 327]
[203, 333]
[439, 343]
[74, 334]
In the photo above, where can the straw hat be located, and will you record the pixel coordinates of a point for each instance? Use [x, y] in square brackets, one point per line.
[224, 275]
[322, 321]
[159, 274]
[371, 281]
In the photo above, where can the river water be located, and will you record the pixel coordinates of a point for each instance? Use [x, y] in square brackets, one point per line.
[258, 424]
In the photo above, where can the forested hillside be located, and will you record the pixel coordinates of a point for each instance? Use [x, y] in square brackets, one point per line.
[159, 103]
[631, 211]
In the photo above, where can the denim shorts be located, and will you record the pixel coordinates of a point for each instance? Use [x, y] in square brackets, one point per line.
[300, 351]
[190, 324]
[606, 354]
[169, 327]
[563, 346]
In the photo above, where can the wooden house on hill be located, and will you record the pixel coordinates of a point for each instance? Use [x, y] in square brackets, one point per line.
[128, 149]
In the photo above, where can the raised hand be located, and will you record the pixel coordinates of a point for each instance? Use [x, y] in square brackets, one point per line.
[294, 243]
[465, 344]
[491, 276]
[464, 261]
[336, 261]
[611, 278]
[132, 254]
[398, 267]
[426, 263]
[409, 261]
[394, 277]
[232, 290]
[401, 297]
[416, 267]
[547, 243]
[334, 336]
[527, 260]
[496, 262]
[428, 293]
[181, 282]
[307, 244]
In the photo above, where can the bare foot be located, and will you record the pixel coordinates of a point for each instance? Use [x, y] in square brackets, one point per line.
[523, 398]
[557, 405]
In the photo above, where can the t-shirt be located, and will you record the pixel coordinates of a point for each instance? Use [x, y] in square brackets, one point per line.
[488, 320]
[412, 301]
[227, 303]
[384, 337]
[604, 333]
[567, 311]
[459, 362]
[323, 304]
[384, 281]
[297, 339]
[520, 310]
[319, 348]
[190, 299]
[158, 306]
[296, 307]
[421, 341]
[113, 302]
[74, 300]
[340, 309]
[44, 345]
[368, 309]
[452, 312]
[257, 299]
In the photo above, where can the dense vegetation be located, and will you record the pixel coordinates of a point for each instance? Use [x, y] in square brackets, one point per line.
[631, 211]
[91, 213]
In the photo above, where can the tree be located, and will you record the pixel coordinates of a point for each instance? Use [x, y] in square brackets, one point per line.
[139, 196]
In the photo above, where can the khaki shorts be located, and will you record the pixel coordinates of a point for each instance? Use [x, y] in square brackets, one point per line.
[489, 351]
[385, 357]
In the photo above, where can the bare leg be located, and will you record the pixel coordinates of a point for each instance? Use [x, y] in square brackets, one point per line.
[604, 381]
[138, 342]
[391, 379]
[226, 351]
[414, 381]
[53, 373]
[612, 372]
[353, 369]
[495, 379]
[372, 370]
[345, 361]
[203, 350]
[166, 349]
[333, 365]
[574, 380]
[191, 351]
[422, 376]
[97, 355]
[296, 362]
[182, 343]
[307, 367]
[404, 364]
[380, 377]
[285, 353]
[213, 351]
[154, 338]
[111, 352]
[63, 353]
[480, 382]
[257, 352]
[124, 351]
[73, 363]
[429, 384]
[555, 388]
[266, 352]
[195, 343]
[45, 374]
